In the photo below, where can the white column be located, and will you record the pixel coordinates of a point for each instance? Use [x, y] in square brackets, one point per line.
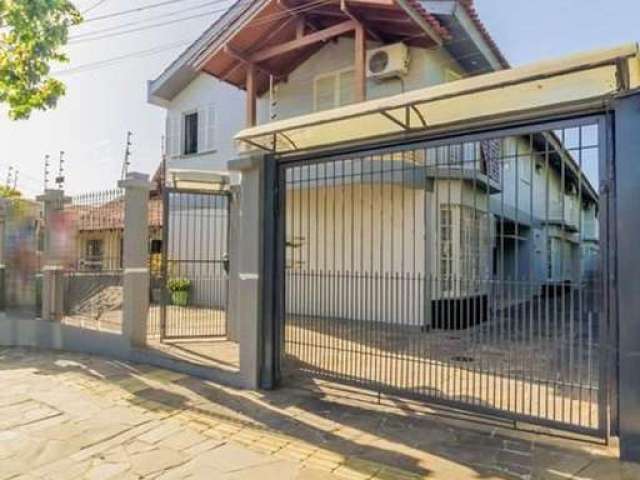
[135, 257]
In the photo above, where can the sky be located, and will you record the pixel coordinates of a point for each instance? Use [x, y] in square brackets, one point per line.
[107, 76]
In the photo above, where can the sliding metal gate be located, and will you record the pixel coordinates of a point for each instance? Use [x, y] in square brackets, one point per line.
[466, 271]
[194, 264]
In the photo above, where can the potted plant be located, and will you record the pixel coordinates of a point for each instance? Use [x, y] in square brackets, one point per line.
[179, 288]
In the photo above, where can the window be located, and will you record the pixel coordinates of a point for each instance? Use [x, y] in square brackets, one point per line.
[446, 248]
[94, 249]
[333, 90]
[191, 133]
[464, 248]
[156, 246]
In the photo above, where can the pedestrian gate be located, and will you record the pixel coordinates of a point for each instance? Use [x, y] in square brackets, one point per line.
[194, 264]
[467, 271]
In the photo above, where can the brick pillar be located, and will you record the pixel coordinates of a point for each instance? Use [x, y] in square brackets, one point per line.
[52, 259]
[135, 257]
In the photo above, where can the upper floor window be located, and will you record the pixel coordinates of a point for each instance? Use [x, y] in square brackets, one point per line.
[333, 89]
[190, 133]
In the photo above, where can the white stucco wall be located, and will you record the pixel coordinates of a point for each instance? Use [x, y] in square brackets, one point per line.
[295, 96]
[228, 104]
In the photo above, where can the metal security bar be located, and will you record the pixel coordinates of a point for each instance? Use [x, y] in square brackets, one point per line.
[194, 267]
[91, 227]
[465, 271]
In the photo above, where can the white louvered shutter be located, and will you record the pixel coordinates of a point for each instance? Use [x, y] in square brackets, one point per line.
[168, 135]
[210, 134]
[173, 135]
[202, 129]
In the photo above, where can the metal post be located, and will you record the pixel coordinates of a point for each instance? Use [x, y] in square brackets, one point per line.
[136, 271]
[3, 291]
[627, 231]
[53, 269]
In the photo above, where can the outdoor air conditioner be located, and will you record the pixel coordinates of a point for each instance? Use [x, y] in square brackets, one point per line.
[388, 61]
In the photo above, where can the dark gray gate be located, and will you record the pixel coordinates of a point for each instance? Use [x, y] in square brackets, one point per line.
[466, 271]
[194, 264]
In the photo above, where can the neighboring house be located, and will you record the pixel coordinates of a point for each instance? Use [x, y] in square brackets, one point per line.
[295, 58]
[98, 231]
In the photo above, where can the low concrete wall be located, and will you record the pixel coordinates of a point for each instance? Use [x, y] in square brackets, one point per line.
[21, 332]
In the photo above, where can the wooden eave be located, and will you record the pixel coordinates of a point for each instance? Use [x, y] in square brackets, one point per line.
[279, 23]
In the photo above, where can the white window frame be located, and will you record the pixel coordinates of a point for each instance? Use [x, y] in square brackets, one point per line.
[183, 132]
[336, 74]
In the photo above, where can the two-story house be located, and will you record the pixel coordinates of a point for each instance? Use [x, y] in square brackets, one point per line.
[448, 223]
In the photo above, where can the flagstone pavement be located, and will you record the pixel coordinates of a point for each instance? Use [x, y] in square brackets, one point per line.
[72, 416]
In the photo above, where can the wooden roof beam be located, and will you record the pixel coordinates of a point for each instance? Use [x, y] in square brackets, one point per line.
[304, 41]
[229, 50]
[348, 13]
[301, 20]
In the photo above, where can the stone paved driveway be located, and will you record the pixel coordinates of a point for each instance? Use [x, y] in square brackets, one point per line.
[76, 416]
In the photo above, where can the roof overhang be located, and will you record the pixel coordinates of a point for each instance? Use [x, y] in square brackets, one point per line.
[470, 44]
[559, 85]
[279, 35]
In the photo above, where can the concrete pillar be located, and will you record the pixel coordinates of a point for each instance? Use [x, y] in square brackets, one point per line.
[135, 257]
[53, 255]
[233, 254]
[248, 309]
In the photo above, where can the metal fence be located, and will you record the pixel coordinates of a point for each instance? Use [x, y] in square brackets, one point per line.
[189, 281]
[91, 230]
[465, 271]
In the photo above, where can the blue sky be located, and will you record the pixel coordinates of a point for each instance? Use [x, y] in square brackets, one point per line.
[104, 101]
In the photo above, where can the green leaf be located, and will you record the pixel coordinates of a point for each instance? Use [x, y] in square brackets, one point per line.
[32, 37]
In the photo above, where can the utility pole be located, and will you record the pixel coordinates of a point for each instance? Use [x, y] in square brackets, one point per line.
[60, 177]
[9, 176]
[127, 155]
[46, 171]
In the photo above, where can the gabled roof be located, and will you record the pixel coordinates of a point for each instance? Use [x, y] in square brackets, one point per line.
[248, 24]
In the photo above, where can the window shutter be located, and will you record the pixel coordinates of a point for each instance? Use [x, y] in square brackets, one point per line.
[202, 129]
[210, 133]
[173, 135]
[167, 135]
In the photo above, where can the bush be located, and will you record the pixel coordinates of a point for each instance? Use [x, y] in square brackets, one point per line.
[179, 284]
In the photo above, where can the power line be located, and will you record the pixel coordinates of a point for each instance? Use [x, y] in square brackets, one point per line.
[145, 20]
[131, 10]
[93, 7]
[114, 60]
[89, 37]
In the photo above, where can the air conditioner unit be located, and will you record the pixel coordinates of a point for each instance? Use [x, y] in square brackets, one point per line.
[388, 61]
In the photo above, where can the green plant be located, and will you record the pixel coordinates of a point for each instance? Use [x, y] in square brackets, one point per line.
[33, 36]
[179, 284]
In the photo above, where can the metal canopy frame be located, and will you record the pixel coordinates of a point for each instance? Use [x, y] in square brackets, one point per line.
[607, 74]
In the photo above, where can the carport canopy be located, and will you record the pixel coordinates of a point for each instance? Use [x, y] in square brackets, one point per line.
[587, 80]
